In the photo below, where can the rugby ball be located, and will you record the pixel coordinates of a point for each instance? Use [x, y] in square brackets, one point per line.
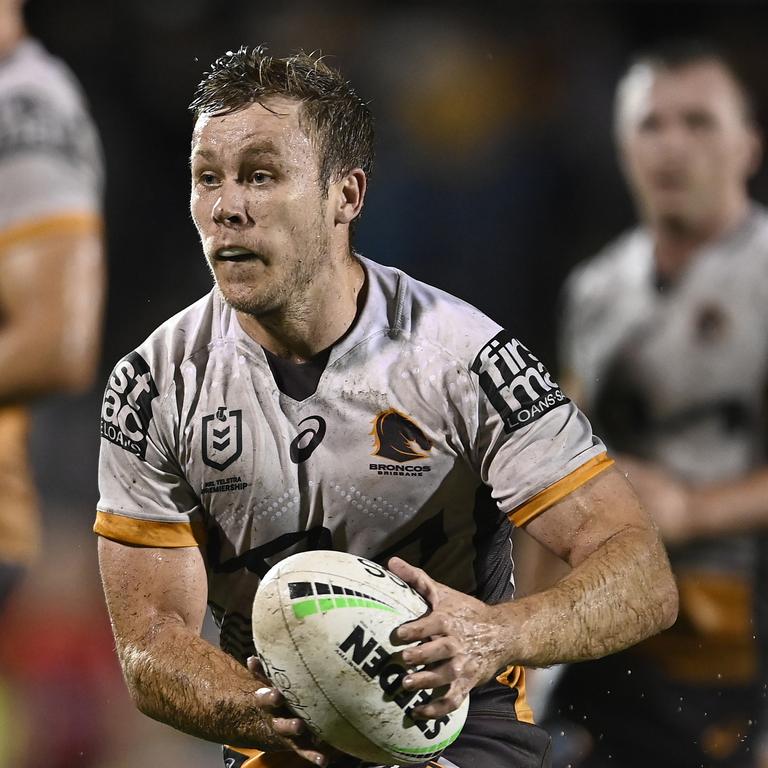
[322, 626]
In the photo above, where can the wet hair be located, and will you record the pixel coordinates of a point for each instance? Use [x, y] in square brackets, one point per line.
[674, 55]
[332, 114]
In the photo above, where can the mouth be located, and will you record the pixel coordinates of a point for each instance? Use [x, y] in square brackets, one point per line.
[234, 253]
[670, 181]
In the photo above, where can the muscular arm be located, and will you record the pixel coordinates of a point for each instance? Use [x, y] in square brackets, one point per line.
[729, 507]
[682, 512]
[156, 600]
[51, 298]
[619, 591]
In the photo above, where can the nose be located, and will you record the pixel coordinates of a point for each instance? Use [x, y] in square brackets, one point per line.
[673, 141]
[230, 208]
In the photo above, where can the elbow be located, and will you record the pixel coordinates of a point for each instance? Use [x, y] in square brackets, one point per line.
[670, 602]
[663, 606]
[133, 661]
[78, 378]
[75, 370]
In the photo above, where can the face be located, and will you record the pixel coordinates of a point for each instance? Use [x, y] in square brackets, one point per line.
[262, 217]
[687, 148]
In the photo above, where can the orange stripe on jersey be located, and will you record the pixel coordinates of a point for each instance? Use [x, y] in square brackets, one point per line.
[148, 533]
[559, 490]
[60, 224]
[514, 677]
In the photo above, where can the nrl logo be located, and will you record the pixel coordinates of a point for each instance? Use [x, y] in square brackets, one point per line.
[222, 438]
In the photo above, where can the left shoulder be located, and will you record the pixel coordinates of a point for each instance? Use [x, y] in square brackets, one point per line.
[429, 316]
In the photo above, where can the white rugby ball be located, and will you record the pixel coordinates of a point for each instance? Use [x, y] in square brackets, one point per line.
[322, 623]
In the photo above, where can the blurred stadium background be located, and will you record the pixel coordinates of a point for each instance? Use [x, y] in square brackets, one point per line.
[495, 174]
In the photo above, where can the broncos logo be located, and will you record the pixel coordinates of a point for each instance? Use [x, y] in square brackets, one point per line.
[398, 438]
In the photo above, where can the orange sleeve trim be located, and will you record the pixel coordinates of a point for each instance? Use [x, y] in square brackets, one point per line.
[559, 490]
[60, 224]
[148, 533]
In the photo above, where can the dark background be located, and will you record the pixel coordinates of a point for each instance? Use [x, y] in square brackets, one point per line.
[495, 171]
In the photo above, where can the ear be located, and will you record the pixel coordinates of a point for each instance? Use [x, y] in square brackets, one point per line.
[350, 195]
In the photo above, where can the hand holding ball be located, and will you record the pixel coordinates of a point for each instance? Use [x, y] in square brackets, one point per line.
[322, 627]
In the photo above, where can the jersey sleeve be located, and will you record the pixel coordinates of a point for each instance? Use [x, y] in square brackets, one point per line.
[144, 497]
[51, 169]
[533, 446]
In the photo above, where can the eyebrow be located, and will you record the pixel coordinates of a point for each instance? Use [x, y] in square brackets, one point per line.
[259, 148]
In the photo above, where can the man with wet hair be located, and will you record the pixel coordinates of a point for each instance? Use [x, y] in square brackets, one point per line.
[318, 400]
[664, 346]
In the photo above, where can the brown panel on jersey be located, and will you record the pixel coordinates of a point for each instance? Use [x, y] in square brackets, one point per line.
[514, 677]
[712, 640]
[559, 490]
[148, 533]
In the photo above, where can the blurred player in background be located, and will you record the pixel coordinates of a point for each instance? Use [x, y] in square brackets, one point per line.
[51, 295]
[51, 262]
[664, 345]
[240, 432]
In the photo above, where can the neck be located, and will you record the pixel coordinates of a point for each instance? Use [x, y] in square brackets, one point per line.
[677, 241]
[311, 322]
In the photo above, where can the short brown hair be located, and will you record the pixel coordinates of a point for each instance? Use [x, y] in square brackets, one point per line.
[675, 54]
[332, 114]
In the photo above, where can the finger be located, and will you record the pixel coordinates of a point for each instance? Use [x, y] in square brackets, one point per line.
[414, 577]
[314, 750]
[255, 668]
[426, 627]
[439, 676]
[450, 701]
[269, 698]
[314, 756]
[438, 649]
[289, 727]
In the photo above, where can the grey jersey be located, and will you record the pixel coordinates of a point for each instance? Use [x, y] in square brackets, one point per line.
[425, 403]
[50, 157]
[677, 375]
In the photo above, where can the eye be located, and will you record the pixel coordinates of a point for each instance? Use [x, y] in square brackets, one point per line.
[650, 123]
[699, 120]
[207, 178]
[260, 177]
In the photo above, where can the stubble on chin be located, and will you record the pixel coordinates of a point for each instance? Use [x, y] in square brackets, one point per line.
[249, 301]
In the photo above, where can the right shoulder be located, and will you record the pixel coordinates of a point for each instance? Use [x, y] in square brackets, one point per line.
[188, 334]
[622, 263]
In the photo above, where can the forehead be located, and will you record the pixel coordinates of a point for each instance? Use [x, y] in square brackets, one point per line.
[698, 86]
[273, 124]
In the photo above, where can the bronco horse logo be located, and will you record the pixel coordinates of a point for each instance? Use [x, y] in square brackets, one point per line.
[398, 438]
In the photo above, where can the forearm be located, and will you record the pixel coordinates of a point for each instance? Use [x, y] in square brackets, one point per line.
[51, 302]
[620, 594]
[27, 367]
[181, 680]
[741, 505]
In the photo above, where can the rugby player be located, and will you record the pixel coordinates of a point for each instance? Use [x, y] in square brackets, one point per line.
[317, 399]
[664, 346]
[51, 263]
